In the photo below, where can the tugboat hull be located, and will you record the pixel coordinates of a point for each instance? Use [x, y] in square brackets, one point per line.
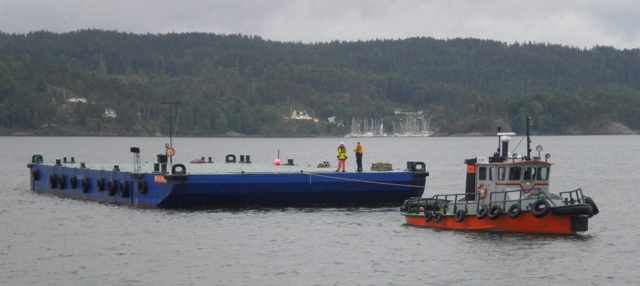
[526, 222]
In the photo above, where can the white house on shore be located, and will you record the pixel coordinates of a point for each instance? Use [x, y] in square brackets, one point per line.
[302, 115]
[110, 113]
[76, 100]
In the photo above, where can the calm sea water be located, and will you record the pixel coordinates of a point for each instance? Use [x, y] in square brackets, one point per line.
[46, 240]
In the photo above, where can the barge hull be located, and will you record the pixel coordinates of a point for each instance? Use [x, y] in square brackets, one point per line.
[166, 190]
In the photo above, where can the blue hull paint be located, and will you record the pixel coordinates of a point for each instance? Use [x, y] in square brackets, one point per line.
[286, 189]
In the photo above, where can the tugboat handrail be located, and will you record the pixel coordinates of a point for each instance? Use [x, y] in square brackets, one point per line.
[580, 197]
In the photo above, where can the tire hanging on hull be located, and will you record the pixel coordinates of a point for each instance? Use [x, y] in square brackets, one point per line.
[494, 212]
[514, 211]
[540, 208]
[581, 209]
[84, 184]
[459, 216]
[124, 189]
[482, 213]
[53, 181]
[142, 187]
[112, 187]
[428, 216]
[589, 201]
[438, 217]
[100, 184]
[61, 181]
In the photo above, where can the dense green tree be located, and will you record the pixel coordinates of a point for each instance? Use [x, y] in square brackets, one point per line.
[240, 83]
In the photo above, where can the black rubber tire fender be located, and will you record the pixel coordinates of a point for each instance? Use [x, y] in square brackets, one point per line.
[579, 209]
[61, 181]
[538, 212]
[495, 211]
[100, 184]
[73, 182]
[459, 216]
[142, 187]
[53, 181]
[428, 216]
[514, 211]
[124, 189]
[111, 187]
[438, 217]
[84, 184]
[482, 212]
[589, 201]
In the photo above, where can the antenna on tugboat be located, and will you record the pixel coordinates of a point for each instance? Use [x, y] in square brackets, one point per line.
[529, 123]
[499, 143]
[170, 103]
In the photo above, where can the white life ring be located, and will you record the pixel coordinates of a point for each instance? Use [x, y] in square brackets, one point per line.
[482, 190]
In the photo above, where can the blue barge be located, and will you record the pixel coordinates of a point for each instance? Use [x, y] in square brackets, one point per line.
[229, 184]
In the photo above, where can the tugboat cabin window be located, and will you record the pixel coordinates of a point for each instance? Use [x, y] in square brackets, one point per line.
[542, 174]
[529, 173]
[485, 173]
[533, 173]
[514, 173]
[502, 171]
[482, 173]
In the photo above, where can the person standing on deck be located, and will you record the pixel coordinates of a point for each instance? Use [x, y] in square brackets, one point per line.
[342, 156]
[359, 150]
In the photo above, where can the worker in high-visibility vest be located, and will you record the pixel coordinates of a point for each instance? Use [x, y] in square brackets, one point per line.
[342, 156]
[359, 150]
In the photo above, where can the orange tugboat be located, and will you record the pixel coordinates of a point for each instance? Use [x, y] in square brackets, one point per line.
[508, 193]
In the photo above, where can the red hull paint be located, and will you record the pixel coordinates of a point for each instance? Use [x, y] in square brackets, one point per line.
[525, 223]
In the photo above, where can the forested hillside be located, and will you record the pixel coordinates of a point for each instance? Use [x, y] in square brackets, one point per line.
[229, 84]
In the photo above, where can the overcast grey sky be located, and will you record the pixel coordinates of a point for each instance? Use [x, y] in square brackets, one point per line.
[576, 23]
